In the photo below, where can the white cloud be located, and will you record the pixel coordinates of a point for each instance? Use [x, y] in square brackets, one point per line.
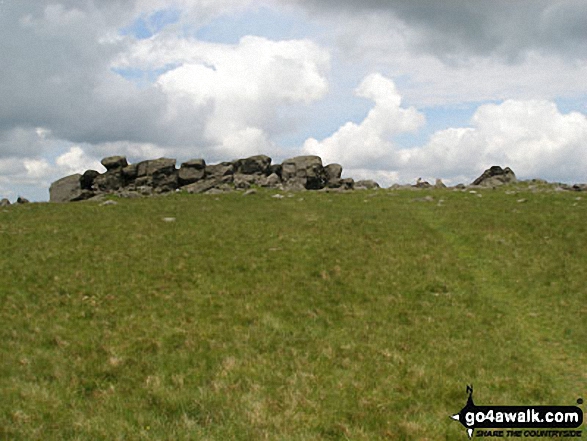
[244, 85]
[532, 137]
[376, 41]
[75, 160]
[36, 169]
[356, 145]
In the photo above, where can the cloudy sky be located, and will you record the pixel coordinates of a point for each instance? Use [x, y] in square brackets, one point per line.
[391, 89]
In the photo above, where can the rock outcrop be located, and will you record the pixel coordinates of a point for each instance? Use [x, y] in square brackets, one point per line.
[496, 176]
[69, 189]
[195, 176]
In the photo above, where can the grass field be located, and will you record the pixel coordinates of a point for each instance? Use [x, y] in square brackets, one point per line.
[320, 316]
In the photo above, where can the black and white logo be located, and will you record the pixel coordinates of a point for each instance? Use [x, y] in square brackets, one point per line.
[476, 418]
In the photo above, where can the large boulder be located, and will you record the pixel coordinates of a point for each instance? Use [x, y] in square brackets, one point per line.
[305, 169]
[220, 170]
[366, 184]
[272, 181]
[108, 182]
[244, 181]
[160, 174]
[191, 171]
[420, 183]
[253, 165]
[439, 183]
[130, 172]
[68, 189]
[203, 185]
[295, 184]
[274, 169]
[4, 202]
[333, 172]
[114, 162]
[496, 176]
[88, 178]
[153, 167]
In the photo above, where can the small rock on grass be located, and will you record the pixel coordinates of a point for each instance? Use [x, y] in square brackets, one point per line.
[424, 199]
[109, 202]
[168, 219]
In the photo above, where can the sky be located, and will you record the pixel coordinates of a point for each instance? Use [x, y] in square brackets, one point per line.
[392, 90]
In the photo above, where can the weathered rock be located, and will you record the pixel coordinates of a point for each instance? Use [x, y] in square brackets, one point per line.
[367, 184]
[204, 185]
[108, 202]
[295, 184]
[144, 190]
[4, 202]
[243, 181]
[273, 180]
[129, 194]
[191, 171]
[258, 164]
[424, 199]
[347, 184]
[400, 187]
[21, 200]
[342, 184]
[214, 191]
[275, 169]
[195, 176]
[304, 168]
[333, 172]
[87, 179]
[422, 184]
[496, 176]
[160, 174]
[439, 184]
[220, 170]
[163, 183]
[114, 162]
[165, 166]
[68, 189]
[130, 172]
[110, 181]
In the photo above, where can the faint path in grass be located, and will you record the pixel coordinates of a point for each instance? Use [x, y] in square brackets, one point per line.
[508, 251]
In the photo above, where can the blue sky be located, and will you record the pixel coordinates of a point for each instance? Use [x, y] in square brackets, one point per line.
[390, 89]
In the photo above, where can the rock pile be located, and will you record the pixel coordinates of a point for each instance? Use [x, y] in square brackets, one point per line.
[20, 200]
[195, 176]
[495, 176]
[300, 173]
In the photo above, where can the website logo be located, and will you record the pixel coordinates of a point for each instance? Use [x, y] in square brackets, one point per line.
[519, 419]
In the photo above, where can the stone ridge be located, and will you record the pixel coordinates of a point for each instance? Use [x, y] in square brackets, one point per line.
[158, 176]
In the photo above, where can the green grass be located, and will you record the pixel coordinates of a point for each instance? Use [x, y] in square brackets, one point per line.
[315, 317]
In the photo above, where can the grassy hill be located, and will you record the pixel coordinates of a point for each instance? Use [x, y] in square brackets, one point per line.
[314, 317]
